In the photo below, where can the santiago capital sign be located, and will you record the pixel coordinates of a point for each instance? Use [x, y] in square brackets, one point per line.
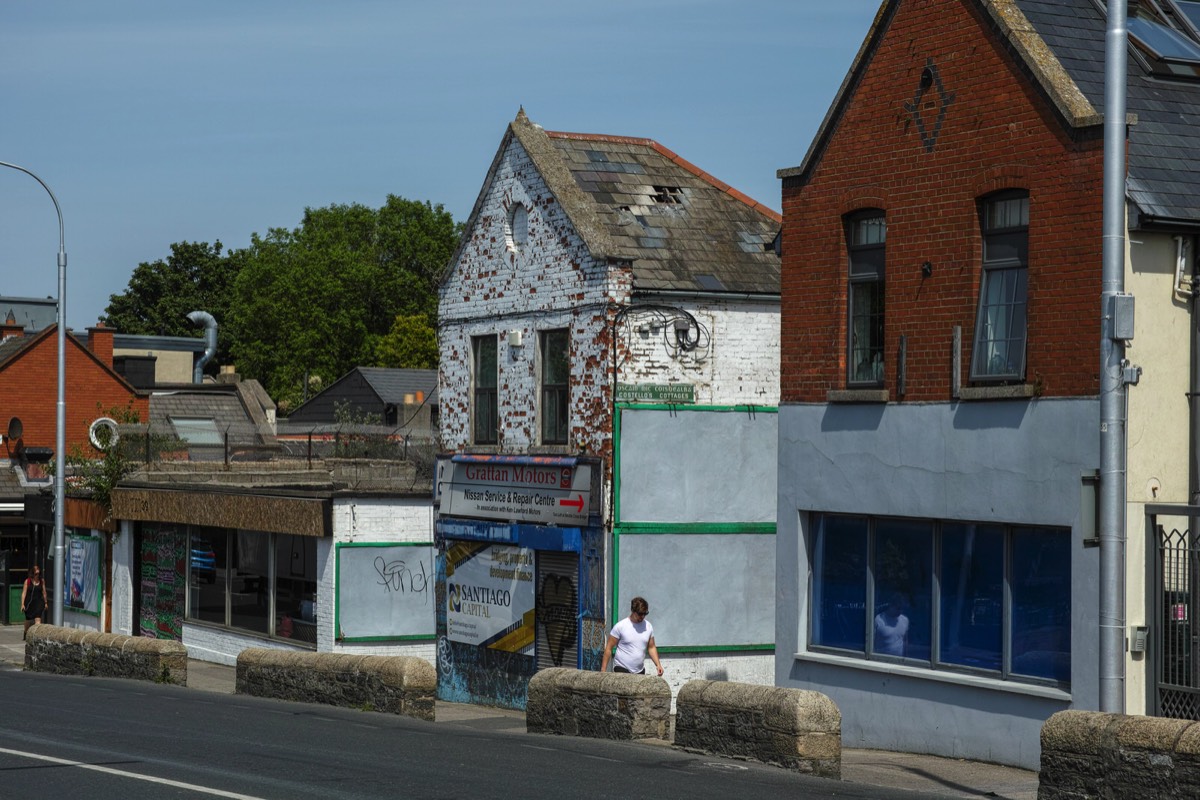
[552, 491]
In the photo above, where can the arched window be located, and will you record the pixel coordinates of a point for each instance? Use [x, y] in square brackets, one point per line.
[866, 240]
[1000, 328]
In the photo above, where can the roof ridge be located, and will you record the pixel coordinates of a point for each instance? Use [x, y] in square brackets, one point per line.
[678, 160]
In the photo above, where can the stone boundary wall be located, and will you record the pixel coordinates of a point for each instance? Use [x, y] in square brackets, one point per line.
[73, 651]
[1087, 754]
[600, 705]
[792, 728]
[390, 684]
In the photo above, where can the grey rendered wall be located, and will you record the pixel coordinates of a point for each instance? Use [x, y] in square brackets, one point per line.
[1005, 461]
[696, 465]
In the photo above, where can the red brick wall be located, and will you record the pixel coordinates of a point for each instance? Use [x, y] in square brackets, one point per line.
[998, 132]
[29, 390]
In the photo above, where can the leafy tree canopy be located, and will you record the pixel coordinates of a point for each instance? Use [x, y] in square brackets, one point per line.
[318, 300]
[410, 344]
[195, 277]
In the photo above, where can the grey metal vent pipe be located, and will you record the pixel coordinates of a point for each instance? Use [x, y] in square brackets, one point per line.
[210, 342]
[1112, 366]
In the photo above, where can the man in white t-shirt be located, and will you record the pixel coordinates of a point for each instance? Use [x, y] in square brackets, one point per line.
[891, 629]
[634, 639]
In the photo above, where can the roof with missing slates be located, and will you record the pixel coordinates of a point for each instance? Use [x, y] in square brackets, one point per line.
[633, 200]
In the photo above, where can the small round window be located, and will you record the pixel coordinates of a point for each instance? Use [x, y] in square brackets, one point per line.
[516, 228]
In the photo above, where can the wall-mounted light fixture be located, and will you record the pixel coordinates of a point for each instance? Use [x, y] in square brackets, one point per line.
[926, 269]
[516, 338]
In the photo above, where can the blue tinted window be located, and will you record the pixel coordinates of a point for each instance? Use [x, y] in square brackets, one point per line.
[972, 596]
[1041, 603]
[903, 571]
[840, 583]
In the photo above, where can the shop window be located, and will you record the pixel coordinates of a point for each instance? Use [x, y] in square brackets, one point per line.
[555, 357]
[866, 241]
[296, 587]
[256, 582]
[990, 599]
[208, 571]
[485, 383]
[840, 583]
[1000, 330]
[250, 584]
[972, 602]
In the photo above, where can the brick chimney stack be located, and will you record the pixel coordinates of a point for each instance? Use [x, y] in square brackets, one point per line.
[11, 328]
[100, 342]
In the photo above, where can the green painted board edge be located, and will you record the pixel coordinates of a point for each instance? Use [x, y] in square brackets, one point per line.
[337, 598]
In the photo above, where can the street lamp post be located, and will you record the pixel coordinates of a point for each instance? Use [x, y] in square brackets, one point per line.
[60, 461]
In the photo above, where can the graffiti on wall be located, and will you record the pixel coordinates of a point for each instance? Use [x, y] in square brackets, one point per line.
[162, 588]
[557, 616]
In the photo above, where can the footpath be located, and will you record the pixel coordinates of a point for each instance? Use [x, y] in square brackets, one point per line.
[929, 775]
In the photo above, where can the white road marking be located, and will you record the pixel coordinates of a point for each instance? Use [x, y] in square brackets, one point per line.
[126, 774]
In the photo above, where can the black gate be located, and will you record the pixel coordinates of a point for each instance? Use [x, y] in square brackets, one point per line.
[1175, 598]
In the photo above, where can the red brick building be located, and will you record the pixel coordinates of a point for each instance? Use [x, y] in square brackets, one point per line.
[29, 385]
[940, 367]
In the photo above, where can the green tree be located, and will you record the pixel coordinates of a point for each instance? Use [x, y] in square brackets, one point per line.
[318, 300]
[195, 277]
[410, 344]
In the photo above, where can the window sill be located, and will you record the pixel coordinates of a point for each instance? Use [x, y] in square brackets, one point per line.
[958, 679]
[482, 449]
[857, 396]
[1019, 391]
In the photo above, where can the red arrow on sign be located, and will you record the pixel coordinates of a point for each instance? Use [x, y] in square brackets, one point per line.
[577, 504]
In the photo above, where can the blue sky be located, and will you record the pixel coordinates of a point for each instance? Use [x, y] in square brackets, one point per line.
[159, 122]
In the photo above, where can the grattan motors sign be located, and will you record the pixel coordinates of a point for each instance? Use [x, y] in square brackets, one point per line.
[549, 493]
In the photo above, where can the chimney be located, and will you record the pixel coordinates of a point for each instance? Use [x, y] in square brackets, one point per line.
[11, 328]
[100, 342]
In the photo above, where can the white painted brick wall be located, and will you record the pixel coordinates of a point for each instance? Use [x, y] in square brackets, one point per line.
[741, 667]
[369, 519]
[550, 283]
[122, 582]
[553, 283]
[736, 362]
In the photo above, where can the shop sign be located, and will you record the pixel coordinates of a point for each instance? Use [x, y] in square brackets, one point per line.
[669, 393]
[547, 493]
[490, 596]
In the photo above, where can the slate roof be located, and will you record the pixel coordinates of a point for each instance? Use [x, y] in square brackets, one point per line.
[224, 408]
[10, 347]
[631, 199]
[10, 484]
[393, 384]
[1061, 45]
[1164, 145]
[33, 313]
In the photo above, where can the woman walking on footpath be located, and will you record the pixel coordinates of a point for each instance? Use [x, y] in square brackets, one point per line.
[33, 600]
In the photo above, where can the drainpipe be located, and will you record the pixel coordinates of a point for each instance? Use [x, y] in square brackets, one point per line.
[1112, 369]
[210, 342]
[1186, 289]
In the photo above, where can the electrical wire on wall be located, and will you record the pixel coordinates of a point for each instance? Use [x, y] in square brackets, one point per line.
[683, 336]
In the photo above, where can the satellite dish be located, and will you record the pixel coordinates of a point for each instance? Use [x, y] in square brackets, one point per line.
[103, 433]
[15, 429]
